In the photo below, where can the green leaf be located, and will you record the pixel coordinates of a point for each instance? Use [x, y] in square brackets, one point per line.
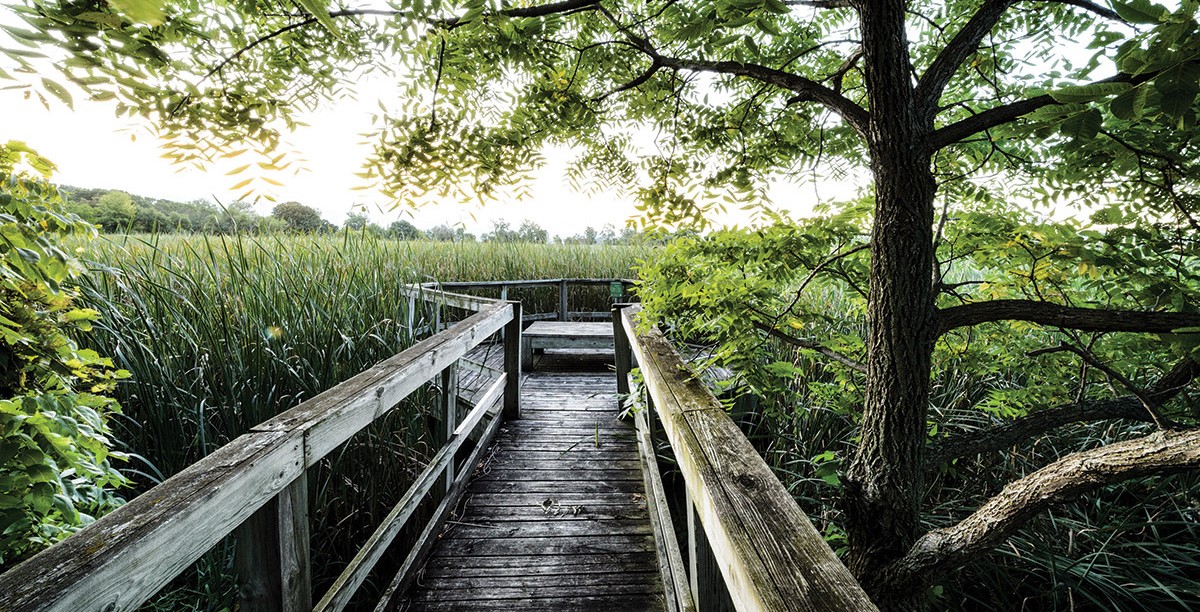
[1140, 11]
[1083, 126]
[41, 473]
[1130, 105]
[319, 10]
[1087, 93]
[149, 12]
[58, 91]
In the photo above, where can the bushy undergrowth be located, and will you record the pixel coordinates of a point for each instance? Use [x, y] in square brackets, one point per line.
[221, 333]
[57, 469]
[1129, 546]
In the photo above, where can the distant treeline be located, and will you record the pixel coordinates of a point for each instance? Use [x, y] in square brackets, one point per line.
[120, 212]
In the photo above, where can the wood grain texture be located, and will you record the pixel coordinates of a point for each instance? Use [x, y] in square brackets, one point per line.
[556, 516]
[771, 557]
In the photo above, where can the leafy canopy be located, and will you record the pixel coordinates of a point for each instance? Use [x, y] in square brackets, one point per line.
[688, 106]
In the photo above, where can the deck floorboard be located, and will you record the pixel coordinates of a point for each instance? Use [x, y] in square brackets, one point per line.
[555, 518]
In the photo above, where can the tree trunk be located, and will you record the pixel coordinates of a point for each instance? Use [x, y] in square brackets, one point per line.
[884, 480]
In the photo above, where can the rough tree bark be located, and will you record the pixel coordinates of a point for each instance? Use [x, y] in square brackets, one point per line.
[883, 482]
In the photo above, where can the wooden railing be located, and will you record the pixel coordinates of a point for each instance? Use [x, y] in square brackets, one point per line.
[257, 485]
[748, 543]
[562, 313]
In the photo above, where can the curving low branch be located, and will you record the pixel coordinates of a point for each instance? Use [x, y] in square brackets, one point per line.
[1066, 317]
[940, 550]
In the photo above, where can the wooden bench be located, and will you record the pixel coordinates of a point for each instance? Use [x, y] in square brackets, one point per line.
[554, 335]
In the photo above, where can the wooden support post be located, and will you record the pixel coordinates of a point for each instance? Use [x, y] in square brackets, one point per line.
[449, 409]
[272, 553]
[410, 317]
[562, 300]
[503, 293]
[709, 593]
[621, 350]
[512, 364]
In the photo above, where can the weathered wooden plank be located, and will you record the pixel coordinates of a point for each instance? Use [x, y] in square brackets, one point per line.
[547, 546]
[559, 488]
[334, 416]
[550, 418]
[534, 499]
[546, 527]
[512, 453]
[570, 330]
[563, 286]
[509, 464]
[526, 565]
[465, 587]
[770, 555]
[589, 475]
[592, 603]
[560, 511]
[446, 298]
[532, 566]
[529, 283]
[272, 553]
[125, 557]
[622, 357]
[527, 592]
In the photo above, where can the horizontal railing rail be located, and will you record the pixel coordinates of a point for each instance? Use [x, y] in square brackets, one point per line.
[561, 313]
[257, 485]
[740, 518]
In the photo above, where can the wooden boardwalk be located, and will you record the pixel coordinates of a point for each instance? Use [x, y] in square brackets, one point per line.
[555, 518]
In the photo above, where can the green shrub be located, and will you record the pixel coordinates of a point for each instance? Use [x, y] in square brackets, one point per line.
[56, 471]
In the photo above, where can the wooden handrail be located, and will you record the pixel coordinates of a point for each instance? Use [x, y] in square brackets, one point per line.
[125, 557]
[769, 554]
[437, 292]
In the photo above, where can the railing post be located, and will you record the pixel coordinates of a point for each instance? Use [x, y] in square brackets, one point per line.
[621, 350]
[410, 317]
[512, 364]
[272, 553]
[562, 300]
[707, 584]
[449, 410]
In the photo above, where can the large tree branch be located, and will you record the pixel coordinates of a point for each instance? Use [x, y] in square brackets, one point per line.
[1005, 113]
[1013, 432]
[804, 88]
[962, 46]
[939, 550]
[564, 6]
[1068, 317]
[1091, 7]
